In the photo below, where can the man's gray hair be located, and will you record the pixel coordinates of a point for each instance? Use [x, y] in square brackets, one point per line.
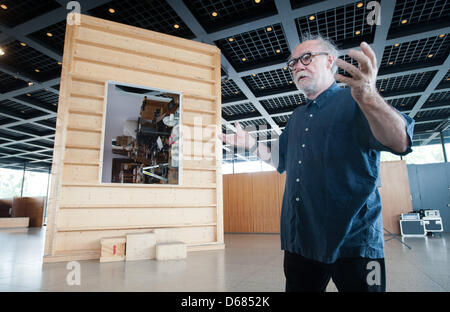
[326, 44]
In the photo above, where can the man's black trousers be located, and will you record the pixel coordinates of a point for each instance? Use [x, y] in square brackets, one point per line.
[348, 274]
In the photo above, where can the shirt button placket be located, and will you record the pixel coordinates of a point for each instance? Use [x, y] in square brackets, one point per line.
[297, 199]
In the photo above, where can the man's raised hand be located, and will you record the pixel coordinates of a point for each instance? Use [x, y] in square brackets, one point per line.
[363, 81]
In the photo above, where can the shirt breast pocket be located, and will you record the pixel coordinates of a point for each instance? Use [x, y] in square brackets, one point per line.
[338, 136]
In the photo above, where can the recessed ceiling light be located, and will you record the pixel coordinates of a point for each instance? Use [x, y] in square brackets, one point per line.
[23, 44]
[176, 26]
[278, 51]
[37, 70]
[254, 75]
[214, 14]
[404, 21]
[441, 36]
[231, 39]
[3, 6]
[391, 63]
[269, 28]
[382, 90]
[236, 92]
[262, 87]
[2, 52]
[111, 10]
[360, 5]
[290, 82]
[430, 55]
[244, 59]
[23, 112]
[357, 32]
[403, 104]
[30, 83]
[448, 79]
[312, 17]
[397, 45]
[28, 94]
[257, 1]
[54, 104]
[59, 63]
[49, 34]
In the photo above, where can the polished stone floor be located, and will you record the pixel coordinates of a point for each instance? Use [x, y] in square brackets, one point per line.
[250, 262]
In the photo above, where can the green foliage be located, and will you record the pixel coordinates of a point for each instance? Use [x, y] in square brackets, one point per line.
[10, 183]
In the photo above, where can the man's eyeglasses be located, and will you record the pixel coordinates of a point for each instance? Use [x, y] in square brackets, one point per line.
[305, 58]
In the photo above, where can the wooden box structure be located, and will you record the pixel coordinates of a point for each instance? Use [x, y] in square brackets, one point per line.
[81, 209]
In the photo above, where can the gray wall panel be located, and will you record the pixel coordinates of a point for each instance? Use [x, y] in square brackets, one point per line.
[429, 186]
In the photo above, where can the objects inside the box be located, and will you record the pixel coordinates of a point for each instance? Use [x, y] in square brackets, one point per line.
[147, 152]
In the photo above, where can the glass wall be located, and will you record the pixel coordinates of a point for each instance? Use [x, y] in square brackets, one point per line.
[245, 166]
[426, 154]
[34, 184]
[10, 182]
[386, 156]
[227, 168]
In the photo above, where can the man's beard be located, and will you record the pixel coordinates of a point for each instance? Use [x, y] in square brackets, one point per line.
[308, 89]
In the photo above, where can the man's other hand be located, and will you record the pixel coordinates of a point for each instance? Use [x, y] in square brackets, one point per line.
[240, 139]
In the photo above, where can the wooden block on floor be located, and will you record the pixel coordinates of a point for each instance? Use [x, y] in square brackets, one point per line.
[140, 246]
[112, 249]
[171, 251]
[6, 223]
